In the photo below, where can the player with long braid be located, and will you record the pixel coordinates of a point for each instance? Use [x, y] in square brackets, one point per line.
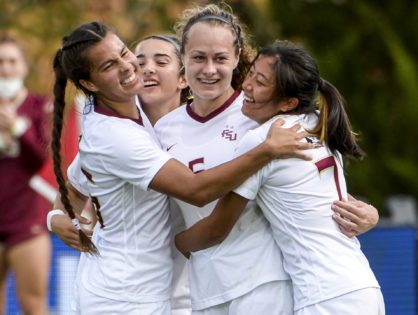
[122, 162]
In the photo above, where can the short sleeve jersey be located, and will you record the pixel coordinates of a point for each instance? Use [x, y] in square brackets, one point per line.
[248, 257]
[119, 158]
[296, 198]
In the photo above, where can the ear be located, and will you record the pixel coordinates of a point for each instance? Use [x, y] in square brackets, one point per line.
[182, 82]
[239, 54]
[88, 85]
[289, 105]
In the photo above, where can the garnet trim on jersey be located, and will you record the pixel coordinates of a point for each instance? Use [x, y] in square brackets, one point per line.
[215, 113]
[112, 113]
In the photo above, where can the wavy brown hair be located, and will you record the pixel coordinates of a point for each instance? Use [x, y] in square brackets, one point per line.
[219, 15]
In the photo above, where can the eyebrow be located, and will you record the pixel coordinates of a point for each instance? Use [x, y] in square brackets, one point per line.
[155, 55]
[109, 60]
[261, 74]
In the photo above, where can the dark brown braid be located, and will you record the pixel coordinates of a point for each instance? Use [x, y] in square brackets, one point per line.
[70, 62]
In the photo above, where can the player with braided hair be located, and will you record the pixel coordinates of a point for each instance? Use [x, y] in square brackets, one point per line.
[122, 162]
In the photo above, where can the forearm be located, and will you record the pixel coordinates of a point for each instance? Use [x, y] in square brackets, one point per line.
[214, 228]
[77, 200]
[216, 182]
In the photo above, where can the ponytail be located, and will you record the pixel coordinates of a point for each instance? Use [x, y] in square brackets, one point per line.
[333, 125]
[59, 106]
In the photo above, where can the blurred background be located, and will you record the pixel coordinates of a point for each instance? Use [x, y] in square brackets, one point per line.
[368, 49]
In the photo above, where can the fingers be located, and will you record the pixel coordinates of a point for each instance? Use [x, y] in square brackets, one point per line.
[82, 220]
[279, 122]
[296, 128]
[88, 232]
[349, 233]
[346, 209]
[347, 227]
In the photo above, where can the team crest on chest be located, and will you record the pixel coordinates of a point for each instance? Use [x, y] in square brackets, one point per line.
[229, 134]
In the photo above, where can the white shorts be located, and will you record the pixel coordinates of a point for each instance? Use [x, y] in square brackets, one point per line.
[273, 298]
[90, 304]
[367, 301]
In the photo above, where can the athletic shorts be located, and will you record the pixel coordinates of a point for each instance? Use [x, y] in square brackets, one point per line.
[88, 303]
[367, 301]
[273, 298]
[25, 223]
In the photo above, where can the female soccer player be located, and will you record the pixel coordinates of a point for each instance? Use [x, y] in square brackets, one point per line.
[165, 88]
[122, 161]
[330, 274]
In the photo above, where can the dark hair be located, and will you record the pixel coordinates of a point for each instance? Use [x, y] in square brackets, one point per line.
[174, 41]
[216, 15]
[297, 75]
[71, 63]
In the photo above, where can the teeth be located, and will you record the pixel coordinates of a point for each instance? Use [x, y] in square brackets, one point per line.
[130, 79]
[150, 83]
[208, 81]
[248, 99]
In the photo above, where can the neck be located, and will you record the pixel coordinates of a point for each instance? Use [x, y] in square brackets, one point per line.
[204, 107]
[155, 111]
[127, 108]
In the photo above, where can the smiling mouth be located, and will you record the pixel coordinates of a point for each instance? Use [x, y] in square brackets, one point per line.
[248, 99]
[129, 80]
[150, 83]
[206, 81]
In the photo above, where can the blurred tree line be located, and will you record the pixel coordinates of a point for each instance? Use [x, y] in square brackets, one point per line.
[368, 49]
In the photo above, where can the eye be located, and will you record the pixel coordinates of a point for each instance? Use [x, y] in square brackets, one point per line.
[162, 62]
[124, 52]
[108, 66]
[220, 59]
[259, 83]
[198, 58]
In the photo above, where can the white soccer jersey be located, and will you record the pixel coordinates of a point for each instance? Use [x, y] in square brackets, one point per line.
[120, 159]
[296, 197]
[248, 257]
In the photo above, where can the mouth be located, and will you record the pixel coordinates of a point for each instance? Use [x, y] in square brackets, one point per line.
[248, 99]
[129, 80]
[209, 81]
[148, 83]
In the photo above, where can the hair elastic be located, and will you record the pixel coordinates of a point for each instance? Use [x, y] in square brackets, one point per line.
[76, 223]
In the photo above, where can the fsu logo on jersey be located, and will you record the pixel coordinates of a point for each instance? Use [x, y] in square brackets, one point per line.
[229, 134]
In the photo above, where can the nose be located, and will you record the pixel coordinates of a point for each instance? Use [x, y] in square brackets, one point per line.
[125, 65]
[246, 86]
[209, 68]
[148, 70]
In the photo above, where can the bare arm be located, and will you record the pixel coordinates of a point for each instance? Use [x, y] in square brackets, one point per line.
[206, 186]
[62, 225]
[361, 216]
[214, 228]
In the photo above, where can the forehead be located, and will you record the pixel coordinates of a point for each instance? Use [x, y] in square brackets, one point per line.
[108, 48]
[154, 46]
[10, 51]
[210, 34]
[264, 65]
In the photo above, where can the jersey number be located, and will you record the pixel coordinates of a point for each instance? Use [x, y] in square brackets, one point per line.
[326, 163]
